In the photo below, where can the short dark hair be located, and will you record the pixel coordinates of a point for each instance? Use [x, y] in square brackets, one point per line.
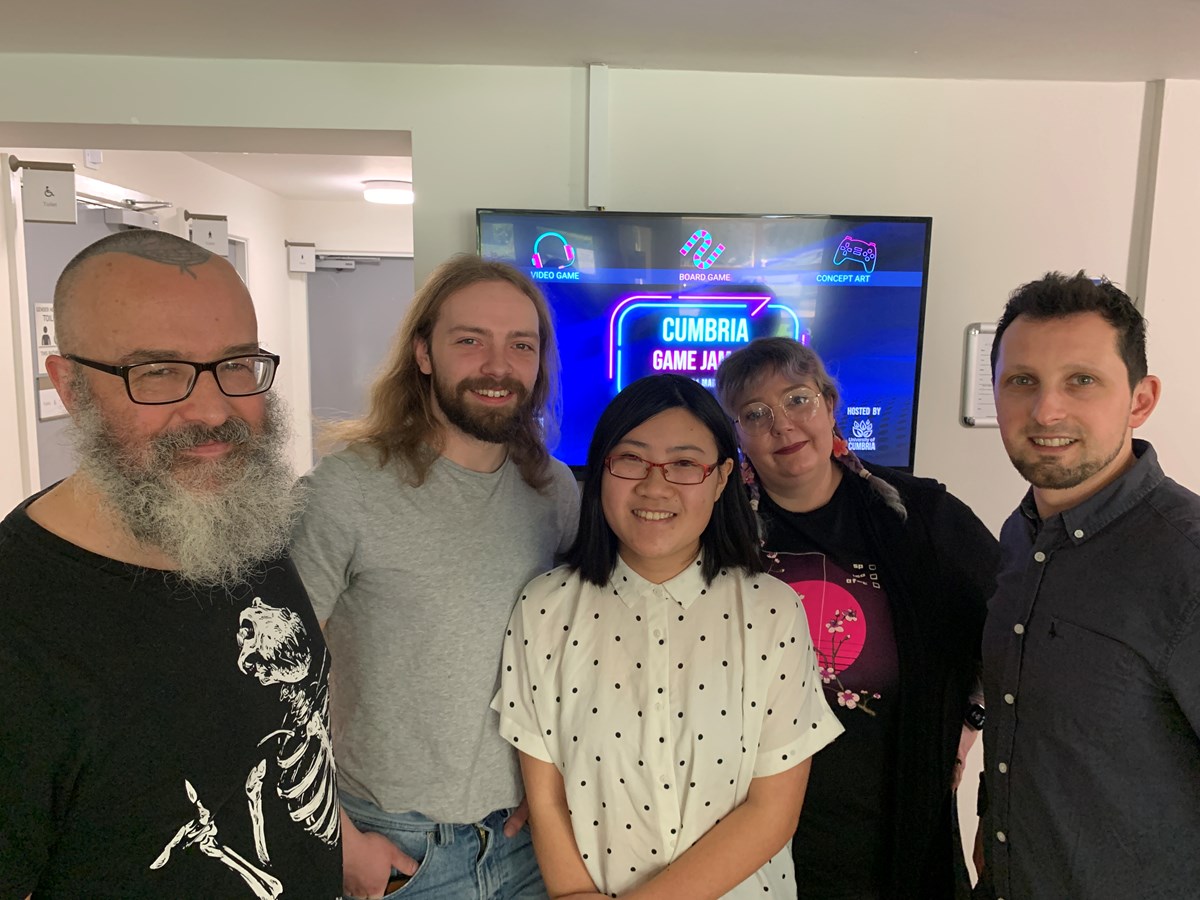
[156, 246]
[729, 540]
[1055, 296]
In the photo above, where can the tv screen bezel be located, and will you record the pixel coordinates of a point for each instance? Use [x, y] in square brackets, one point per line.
[927, 221]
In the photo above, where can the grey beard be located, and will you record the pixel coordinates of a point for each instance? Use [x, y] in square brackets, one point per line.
[219, 520]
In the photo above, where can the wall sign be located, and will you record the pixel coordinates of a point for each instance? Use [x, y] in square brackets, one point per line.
[44, 339]
[48, 195]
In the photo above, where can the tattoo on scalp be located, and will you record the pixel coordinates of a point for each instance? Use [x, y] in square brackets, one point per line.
[156, 246]
[183, 254]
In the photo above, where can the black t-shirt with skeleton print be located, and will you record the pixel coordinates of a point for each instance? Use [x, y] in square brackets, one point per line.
[159, 741]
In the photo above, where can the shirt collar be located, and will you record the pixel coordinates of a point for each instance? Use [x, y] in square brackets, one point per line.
[1111, 501]
[683, 589]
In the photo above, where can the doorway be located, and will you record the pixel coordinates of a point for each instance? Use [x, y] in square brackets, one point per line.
[355, 305]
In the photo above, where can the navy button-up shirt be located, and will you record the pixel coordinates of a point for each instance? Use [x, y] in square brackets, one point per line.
[1092, 676]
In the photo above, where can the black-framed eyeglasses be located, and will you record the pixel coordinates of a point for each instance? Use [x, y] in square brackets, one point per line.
[632, 467]
[172, 380]
[798, 405]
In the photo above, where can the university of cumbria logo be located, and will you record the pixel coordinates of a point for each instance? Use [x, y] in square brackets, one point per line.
[862, 428]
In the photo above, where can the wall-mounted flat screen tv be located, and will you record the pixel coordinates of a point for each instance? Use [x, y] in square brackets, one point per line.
[635, 294]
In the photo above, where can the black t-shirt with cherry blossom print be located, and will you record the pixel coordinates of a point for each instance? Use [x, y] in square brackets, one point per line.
[841, 847]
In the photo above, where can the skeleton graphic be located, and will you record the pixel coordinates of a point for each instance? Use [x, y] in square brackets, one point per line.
[274, 649]
[254, 783]
[202, 832]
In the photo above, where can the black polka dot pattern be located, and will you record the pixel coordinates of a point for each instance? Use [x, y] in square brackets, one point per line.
[670, 701]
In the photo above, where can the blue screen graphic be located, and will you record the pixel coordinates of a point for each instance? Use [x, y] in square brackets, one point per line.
[636, 294]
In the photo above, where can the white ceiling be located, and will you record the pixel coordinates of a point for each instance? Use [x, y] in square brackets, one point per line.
[1083, 40]
[310, 176]
[1079, 40]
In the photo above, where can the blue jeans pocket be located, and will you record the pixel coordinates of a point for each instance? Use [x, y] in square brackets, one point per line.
[417, 842]
[421, 846]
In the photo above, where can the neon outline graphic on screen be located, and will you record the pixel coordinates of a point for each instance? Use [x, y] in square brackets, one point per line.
[753, 303]
[705, 240]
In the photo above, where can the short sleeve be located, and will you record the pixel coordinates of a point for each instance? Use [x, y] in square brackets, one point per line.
[519, 674]
[798, 721]
[37, 767]
[325, 539]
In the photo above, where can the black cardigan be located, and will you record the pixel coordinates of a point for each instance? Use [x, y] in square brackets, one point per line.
[939, 568]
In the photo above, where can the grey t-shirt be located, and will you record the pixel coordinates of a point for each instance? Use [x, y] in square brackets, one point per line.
[415, 587]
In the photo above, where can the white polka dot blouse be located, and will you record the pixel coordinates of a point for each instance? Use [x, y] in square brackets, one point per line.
[659, 704]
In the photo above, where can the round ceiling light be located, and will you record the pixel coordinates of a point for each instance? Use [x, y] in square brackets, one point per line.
[394, 192]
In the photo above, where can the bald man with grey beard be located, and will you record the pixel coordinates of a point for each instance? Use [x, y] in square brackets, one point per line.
[164, 726]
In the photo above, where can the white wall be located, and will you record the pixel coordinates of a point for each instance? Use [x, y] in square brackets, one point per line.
[1019, 177]
[481, 136]
[1011, 172]
[14, 393]
[1172, 289]
[351, 226]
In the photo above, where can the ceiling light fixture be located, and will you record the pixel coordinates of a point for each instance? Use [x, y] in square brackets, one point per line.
[394, 192]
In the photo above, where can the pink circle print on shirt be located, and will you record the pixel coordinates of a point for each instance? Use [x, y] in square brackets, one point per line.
[842, 605]
[838, 627]
[836, 622]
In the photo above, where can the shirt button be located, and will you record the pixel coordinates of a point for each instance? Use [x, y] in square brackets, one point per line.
[1003, 767]
[1078, 532]
[1001, 837]
[1019, 628]
[658, 706]
[657, 632]
[1010, 699]
[1040, 556]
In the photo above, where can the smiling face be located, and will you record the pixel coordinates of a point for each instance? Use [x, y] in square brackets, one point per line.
[658, 524]
[1065, 408]
[204, 480]
[789, 452]
[127, 309]
[483, 356]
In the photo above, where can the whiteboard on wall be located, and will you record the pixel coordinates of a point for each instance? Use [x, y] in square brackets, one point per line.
[978, 401]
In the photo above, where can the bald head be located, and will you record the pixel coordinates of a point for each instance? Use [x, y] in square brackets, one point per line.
[105, 258]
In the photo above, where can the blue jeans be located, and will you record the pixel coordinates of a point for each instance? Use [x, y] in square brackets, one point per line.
[456, 862]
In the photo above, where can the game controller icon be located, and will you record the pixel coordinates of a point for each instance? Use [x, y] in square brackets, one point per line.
[861, 252]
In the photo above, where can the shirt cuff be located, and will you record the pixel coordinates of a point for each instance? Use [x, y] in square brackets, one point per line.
[804, 745]
[528, 742]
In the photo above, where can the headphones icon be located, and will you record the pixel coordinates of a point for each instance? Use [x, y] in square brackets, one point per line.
[536, 259]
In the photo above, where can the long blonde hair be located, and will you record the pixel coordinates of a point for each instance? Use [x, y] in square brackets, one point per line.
[400, 423]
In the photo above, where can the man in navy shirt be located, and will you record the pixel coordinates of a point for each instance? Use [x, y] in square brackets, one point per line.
[1092, 643]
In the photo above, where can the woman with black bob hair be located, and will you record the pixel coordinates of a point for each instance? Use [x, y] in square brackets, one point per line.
[731, 537]
[663, 693]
